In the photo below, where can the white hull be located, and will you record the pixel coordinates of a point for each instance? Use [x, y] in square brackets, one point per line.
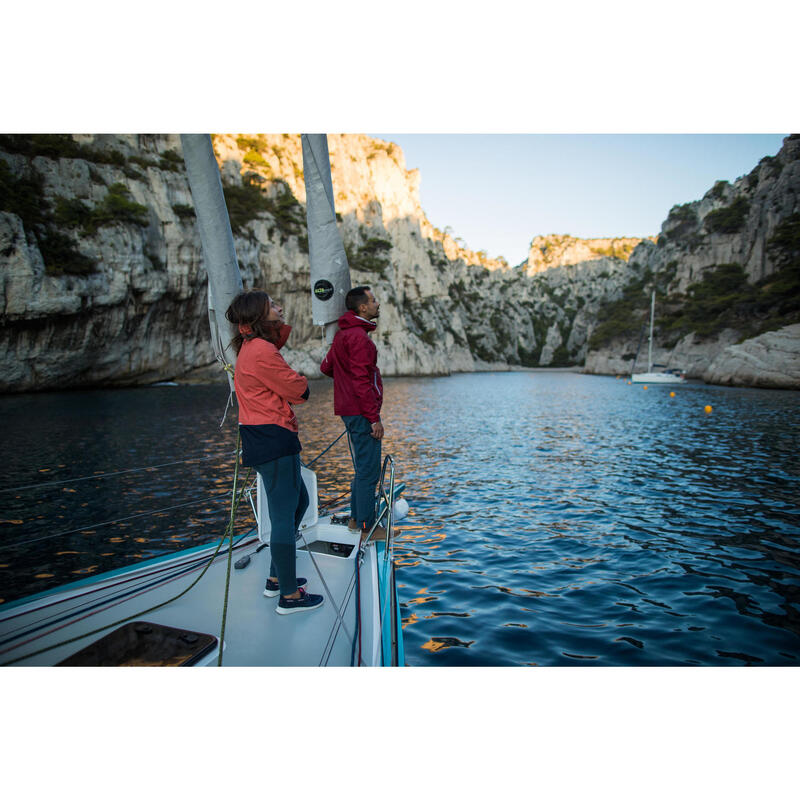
[657, 377]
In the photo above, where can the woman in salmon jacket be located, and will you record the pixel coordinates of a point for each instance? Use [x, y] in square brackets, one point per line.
[266, 388]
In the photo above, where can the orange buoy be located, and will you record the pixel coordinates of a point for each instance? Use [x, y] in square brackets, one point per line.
[672, 394]
[708, 409]
[644, 387]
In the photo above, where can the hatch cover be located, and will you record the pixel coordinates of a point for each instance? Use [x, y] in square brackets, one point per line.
[144, 644]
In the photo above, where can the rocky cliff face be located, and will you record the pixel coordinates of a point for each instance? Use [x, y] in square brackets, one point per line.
[769, 361]
[557, 250]
[102, 279]
[102, 271]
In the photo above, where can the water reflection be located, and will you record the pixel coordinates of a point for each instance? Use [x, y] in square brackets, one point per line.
[595, 487]
[441, 642]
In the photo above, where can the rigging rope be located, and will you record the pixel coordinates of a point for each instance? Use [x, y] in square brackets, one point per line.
[111, 474]
[358, 562]
[229, 533]
[334, 500]
[229, 370]
[308, 466]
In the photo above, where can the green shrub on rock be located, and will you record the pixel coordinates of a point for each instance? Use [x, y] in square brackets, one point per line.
[784, 244]
[182, 211]
[244, 204]
[60, 255]
[718, 190]
[117, 207]
[682, 213]
[371, 256]
[24, 196]
[73, 213]
[246, 201]
[623, 317]
[171, 160]
[729, 219]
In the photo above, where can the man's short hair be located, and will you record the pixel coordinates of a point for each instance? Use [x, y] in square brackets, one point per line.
[357, 297]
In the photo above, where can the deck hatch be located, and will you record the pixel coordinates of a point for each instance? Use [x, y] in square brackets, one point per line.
[144, 644]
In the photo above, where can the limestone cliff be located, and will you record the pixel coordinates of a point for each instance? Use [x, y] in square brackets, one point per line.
[102, 273]
[557, 250]
[770, 361]
[103, 280]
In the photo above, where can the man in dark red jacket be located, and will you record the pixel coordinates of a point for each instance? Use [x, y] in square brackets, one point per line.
[357, 398]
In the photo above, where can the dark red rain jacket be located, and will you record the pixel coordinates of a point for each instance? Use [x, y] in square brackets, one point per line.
[352, 362]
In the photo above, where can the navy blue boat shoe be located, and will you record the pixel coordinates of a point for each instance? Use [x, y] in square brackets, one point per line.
[272, 587]
[306, 602]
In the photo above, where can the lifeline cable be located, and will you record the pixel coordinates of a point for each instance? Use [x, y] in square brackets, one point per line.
[324, 582]
[308, 466]
[204, 498]
[335, 500]
[358, 610]
[334, 632]
[357, 634]
[112, 474]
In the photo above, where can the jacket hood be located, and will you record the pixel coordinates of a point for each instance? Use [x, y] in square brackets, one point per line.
[283, 333]
[350, 320]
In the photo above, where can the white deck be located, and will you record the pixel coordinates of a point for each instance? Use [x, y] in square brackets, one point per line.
[254, 636]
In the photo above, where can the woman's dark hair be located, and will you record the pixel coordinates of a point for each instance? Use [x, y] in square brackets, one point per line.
[249, 309]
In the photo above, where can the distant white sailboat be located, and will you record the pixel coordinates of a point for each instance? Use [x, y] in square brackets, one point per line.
[662, 376]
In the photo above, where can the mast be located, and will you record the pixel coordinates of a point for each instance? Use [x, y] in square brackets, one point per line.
[330, 272]
[224, 278]
[650, 344]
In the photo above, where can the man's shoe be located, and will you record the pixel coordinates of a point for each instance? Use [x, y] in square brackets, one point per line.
[272, 588]
[378, 535]
[306, 602]
[352, 525]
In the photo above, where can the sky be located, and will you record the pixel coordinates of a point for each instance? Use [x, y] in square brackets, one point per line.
[498, 191]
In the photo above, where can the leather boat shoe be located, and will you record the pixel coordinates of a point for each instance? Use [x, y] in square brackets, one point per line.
[306, 602]
[378, 535]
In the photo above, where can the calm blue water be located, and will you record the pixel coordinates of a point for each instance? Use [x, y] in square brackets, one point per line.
[557, 519]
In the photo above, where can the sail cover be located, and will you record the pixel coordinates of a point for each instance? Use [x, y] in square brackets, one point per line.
[330, 273]
[224, 278]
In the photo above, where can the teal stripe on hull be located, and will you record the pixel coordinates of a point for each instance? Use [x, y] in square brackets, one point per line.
[384, 581]
[115, 573]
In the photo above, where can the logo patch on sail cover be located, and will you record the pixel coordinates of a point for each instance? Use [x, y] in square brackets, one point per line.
[323, 290]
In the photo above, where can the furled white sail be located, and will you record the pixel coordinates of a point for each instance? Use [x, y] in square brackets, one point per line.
[224, 278]
[330, 272]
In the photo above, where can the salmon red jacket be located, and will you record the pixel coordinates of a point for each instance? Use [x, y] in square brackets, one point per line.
[352, 362]
[266, 386]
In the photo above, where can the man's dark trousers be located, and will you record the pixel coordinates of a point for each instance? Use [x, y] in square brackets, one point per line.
[366, 452]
